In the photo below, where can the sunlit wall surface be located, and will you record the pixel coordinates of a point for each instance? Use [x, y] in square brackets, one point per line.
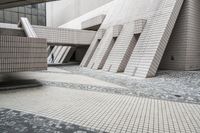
[35, 13]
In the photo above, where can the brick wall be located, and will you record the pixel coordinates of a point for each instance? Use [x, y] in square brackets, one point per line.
[65, 36]
[12, 32]
[22, 54]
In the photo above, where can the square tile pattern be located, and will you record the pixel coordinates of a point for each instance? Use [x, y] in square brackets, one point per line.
[22, 54]
[93, 46]
[106, 112]
[64, 36]
[140, 57]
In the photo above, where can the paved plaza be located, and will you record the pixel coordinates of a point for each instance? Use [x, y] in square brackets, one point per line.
[74, 100]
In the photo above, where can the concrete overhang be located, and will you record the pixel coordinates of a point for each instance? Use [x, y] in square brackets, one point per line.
[93, 23]
[65, 37]
[58, 36]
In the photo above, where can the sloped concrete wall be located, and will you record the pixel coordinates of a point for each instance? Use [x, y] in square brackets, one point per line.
[174, 57]
[151, 45]
[183, 50]
[193, 46]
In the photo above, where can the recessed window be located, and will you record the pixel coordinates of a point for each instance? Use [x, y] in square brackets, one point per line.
[172, 58]
[35, 6]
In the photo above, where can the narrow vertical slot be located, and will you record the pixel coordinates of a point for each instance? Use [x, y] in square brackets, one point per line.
[108, 52]
[92, 52]
[130, 51]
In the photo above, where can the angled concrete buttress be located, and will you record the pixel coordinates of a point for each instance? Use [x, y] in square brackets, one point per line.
[100, 50]
[151, 45]
[62, 54]
[28, 29]
[103, 50]
[90, 52]
[124, 46]
[69, 51]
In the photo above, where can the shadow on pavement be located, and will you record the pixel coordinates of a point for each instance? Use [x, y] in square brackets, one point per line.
[14, 81]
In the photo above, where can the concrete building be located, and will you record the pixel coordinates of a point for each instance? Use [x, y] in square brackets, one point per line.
[62, 11]
[154, 36]
[133, 39]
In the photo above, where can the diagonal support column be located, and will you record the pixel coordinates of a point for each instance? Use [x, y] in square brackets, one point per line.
[151, 45]
[106, 46]
[105, 42]
[25, 24]
[89, 54]
[122, 50]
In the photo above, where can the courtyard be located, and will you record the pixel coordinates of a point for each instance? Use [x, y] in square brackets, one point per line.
[74, 99]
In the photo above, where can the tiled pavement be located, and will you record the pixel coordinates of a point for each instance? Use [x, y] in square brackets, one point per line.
[181, 86]
[12, 121]
[104, 111]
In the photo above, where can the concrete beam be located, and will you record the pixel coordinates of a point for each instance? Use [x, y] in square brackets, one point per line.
[93, 23]
[65, 37]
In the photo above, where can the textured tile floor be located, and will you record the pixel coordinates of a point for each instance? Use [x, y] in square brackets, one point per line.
[109, 112]
[12, 121]
[105, 112]
[182, 86]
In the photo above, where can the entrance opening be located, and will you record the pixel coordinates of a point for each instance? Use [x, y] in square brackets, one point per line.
[73, 58]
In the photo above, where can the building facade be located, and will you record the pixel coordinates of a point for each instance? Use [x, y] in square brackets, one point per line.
[63, 11]
[167, 38]
[133, 39]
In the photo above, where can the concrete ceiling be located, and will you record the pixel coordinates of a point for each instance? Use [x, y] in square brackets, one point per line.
[14, 3]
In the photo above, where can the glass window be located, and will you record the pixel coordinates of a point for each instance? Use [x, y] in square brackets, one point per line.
[39, 12]
[1, 20]
[7, 15]
[28, 6]
[22, 9]
[41, 20]
[1, 14]
[28, 10]
[14, 17]
[42, 6]
[35, 13]
[34, 6]
[12, 9]
[43, 12]
[29, 17]
[22, 15]
[34, 20]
